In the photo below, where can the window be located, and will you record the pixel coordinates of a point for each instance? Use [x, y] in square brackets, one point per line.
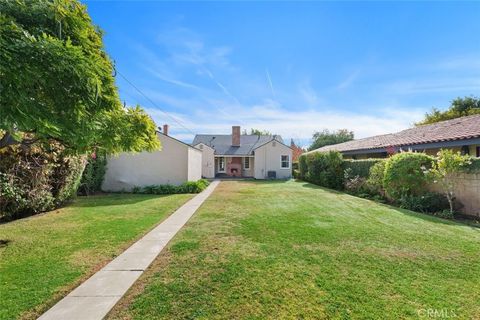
[221, 164]
[285, 162]
[246, 163]
[465, 150]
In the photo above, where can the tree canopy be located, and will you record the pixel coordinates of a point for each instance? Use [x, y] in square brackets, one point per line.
[459, 107]
[57, 82]
[258, 132]
[327, 137]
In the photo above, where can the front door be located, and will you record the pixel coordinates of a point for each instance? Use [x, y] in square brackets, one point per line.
[221, 164]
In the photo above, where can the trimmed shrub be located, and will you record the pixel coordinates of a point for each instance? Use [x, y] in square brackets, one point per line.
[187, 187]
[406, 173]
[302, 166]
[324, 169]
[93, 175]
[473, 167]
[375, 178]
[360, 168]
[430, 202]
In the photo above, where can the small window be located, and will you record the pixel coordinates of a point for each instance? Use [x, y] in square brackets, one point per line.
[285, 162]
[465, 150]
[246, 163]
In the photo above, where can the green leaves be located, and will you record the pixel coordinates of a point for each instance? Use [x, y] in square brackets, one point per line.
[57, 82]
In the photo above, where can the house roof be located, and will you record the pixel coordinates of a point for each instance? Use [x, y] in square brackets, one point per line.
[222, 143]
[450, 130]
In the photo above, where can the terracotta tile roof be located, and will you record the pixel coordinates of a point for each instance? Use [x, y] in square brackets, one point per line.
[455, 129]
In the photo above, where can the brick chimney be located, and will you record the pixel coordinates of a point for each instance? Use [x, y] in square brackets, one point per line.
[165, 129]
[236, 136]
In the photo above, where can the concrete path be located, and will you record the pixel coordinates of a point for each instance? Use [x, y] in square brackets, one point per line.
[94, 298]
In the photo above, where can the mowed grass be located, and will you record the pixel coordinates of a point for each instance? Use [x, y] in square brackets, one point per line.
[43, 257]
[289, 250]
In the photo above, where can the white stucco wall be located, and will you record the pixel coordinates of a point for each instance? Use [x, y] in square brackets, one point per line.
[268, 158]
[208, 160]
[167, 166]
[248, 172]
[194, 164]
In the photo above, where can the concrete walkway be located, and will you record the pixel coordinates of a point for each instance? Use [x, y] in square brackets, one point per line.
[94, 298]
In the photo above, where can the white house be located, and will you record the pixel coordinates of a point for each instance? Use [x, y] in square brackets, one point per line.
[176, 163]
[237, 155]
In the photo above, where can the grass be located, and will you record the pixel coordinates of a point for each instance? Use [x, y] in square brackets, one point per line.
[43, 257]
[290, 250]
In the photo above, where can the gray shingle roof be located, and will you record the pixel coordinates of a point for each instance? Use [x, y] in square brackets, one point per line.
[222, 143]
[455, 129]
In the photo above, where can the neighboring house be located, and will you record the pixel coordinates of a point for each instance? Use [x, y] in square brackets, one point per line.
[237, 155]
[176, 163]
[461, 134]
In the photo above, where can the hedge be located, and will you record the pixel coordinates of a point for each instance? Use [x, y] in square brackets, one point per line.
[187, 187]
[322, 168]
[37, 178]
[360, 168]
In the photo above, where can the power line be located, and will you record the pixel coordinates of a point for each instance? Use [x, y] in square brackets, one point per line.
[153, 103]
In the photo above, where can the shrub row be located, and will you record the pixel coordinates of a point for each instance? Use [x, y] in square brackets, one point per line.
[187, 187]
[401, 179]
[37, 178]
[322, 168]
[360, 168]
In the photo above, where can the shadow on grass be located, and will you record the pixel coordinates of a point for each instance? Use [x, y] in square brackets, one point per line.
[424, 216]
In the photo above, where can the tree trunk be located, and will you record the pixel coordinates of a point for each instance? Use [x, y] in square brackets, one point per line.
[450, 201]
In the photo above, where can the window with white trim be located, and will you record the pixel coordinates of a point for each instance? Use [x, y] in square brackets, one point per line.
[285, 162]
[246, 163]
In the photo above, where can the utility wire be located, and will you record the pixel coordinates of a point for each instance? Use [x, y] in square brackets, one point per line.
[152, 102]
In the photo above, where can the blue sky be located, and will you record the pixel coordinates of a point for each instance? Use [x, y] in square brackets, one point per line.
[292, 67]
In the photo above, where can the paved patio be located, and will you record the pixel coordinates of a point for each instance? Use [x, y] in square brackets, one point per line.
[94, 298]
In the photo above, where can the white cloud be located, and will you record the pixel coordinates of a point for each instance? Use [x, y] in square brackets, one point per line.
[290, 124]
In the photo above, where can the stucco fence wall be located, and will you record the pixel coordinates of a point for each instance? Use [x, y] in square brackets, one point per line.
[467, 192]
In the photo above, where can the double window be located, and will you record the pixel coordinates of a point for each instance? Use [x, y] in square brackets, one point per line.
[246, 163]
[285, 162]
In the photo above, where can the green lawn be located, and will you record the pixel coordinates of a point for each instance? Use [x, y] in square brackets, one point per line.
[289, 250]
[44, 257]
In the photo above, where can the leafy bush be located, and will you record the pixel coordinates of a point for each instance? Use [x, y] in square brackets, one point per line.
[302, 166]
[324, 169]
[295, 170]
[473, 167]
[187, 187]
[375, 178]
[93, 174]
[448, 165]
[354, 184]
[430, 202]
[361, 168]
[37, 178]
[407, 173]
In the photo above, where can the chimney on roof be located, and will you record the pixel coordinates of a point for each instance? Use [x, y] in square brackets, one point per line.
[236, 136]
[165, 129]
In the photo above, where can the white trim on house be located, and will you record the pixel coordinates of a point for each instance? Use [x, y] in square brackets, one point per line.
[288, 159]
[245, 163]
[224, 165]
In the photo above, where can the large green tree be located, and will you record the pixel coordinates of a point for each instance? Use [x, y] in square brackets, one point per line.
[459, 107]
[327, 137]
[57, 82]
